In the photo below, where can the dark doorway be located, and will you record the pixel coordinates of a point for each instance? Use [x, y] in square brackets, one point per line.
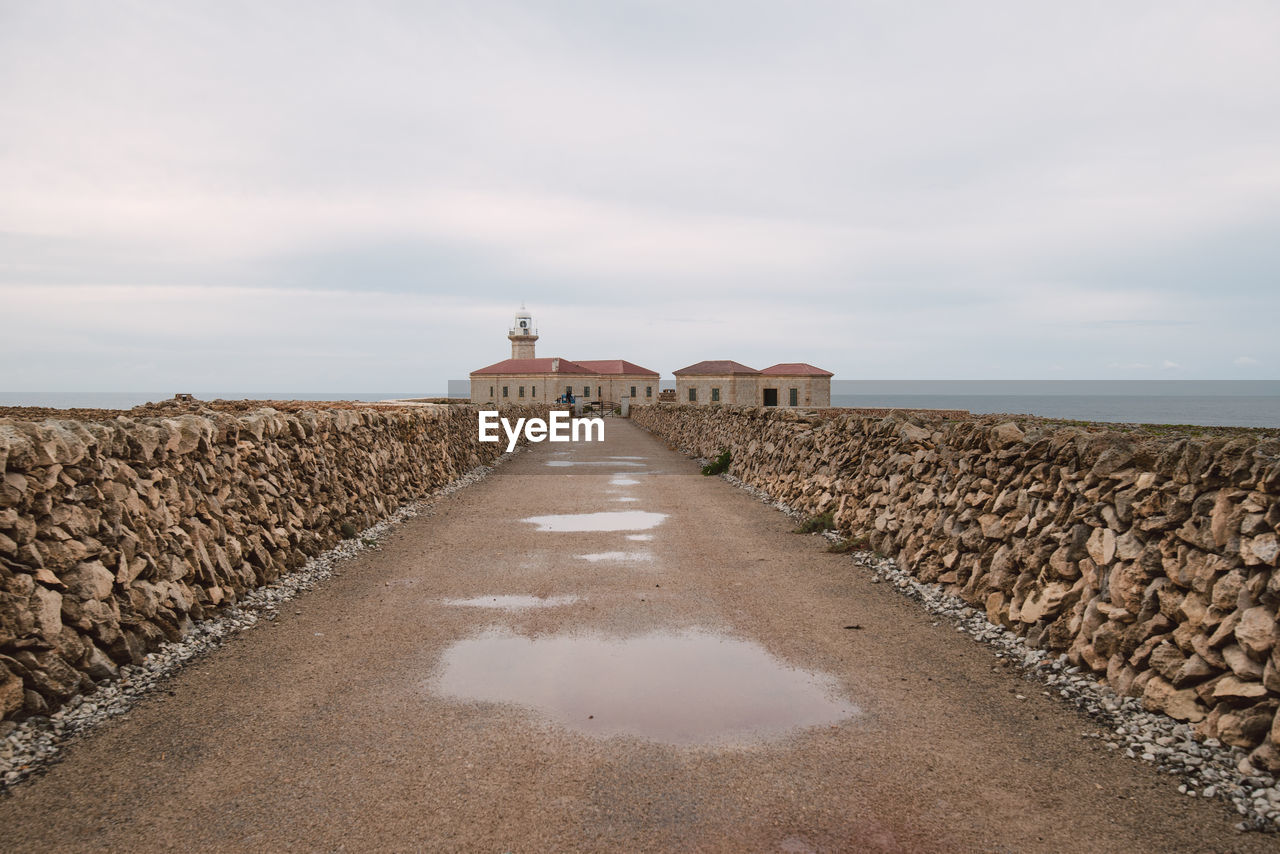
[771, 397]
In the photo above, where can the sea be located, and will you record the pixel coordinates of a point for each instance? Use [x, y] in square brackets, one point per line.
[1217, 403]
[130, 399]
[1210, 403]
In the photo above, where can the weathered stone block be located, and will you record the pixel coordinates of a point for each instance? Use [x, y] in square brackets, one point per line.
[88, 580]
[1180, 704]
[1256, 631]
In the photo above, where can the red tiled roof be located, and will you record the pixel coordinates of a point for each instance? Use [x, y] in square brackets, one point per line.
[534, 366]
[615, 366]
[717, 366]
[796, 369]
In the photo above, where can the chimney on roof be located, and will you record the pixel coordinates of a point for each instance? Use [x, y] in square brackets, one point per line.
[555, 365]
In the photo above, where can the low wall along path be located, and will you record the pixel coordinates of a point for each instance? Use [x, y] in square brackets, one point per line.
[116, 534]
[1150, 560]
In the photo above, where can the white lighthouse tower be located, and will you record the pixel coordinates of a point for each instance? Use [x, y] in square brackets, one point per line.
[523, 335]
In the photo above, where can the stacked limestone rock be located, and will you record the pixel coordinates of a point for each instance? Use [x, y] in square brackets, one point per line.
[115, 535]
[1150, 560]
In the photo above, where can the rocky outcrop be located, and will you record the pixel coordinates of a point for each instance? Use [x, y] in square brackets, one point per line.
[115, 535]
[1149, 560]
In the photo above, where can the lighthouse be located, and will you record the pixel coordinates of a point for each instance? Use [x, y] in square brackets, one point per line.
[523, 335]
[526, 379]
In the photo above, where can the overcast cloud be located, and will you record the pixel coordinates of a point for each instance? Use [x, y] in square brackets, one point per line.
[320, 197]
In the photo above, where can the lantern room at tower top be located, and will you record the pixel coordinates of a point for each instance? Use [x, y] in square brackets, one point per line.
[523, 335]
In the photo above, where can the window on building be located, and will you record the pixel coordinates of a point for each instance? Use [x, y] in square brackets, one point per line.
[599, 392]
[633, 391]
[795, 397]
[533, 391]
[693, 395]
[568, 390]
[521, 391]
[490, 391]
[648, 391]
[715, 395]
[586, 391]
[504, 391]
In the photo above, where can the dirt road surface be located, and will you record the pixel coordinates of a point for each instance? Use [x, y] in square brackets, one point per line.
[683, 682]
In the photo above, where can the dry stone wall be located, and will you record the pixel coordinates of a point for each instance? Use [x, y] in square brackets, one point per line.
[1149, 560]
[116, 534]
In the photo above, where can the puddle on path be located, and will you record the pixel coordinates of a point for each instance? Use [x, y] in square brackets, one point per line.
[626, 499]
[623, 480]
[613, 520]
[681, 688]
[513, 603]
[640, 538]
[628, 458]
[597, 557]
[613, 463]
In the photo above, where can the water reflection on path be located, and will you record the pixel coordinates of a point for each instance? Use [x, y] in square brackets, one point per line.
[513, 603]
[617, 520]
[684, 688]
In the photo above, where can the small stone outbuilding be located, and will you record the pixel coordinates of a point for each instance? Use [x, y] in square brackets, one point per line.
[718, 381]
[724, 381]
[795, 384]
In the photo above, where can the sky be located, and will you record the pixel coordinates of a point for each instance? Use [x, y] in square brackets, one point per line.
[348, 196]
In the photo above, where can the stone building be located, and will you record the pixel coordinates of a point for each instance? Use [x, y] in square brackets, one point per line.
[718, 381]
[795, 384]
[531, 381]
[724, 381]
[525, 378]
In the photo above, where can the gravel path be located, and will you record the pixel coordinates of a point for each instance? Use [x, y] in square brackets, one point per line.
[358, 717]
